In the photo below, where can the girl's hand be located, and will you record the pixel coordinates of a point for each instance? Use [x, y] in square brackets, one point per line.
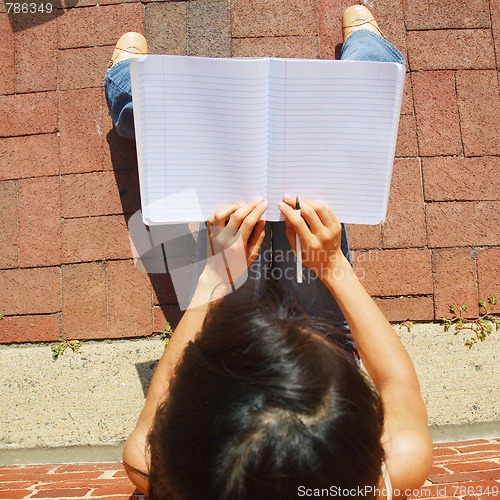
[319, 232]
[235, 234]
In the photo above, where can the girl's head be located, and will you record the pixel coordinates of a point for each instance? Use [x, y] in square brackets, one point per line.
[263, 406]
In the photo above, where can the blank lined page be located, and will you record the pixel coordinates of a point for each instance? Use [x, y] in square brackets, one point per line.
[202, 128]
[332, 134]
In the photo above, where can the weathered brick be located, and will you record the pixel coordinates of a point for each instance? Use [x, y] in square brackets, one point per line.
[394, 272]
[38, 328]
[436, 111]
[29, 156]
[448, 178]
[82, 68]
[166, 27]
[455, 280]
[407, 308]
[62, 493]
[118, 153]
[273, 18]
[163, 289]
[39, 222]
[8, 225]
[36, 53]
[84, 304]
[407, 144]
[446, 14]
[100, 193]
[27, 114]
[209, 28]
[97, 26]
[462, 224]
[458, 49]
[287, 46]
[165, 313]
[479, 105]
[330, 27]
[362, 237]
[488, 274]
[7, 70]
[407, 104]
[30, 291]
[405, 223]
[495, 25]
[480, 465]
[81, 110]
[130, 312]
[95, 238]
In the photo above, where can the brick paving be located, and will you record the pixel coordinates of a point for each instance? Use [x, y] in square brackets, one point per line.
[68, 184]
[466, 470]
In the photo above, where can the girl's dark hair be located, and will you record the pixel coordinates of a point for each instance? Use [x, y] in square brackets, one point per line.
[262, 404]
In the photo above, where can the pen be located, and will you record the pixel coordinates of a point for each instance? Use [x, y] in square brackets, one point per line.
[298, 248]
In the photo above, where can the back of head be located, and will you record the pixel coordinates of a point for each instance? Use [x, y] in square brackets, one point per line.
[262, 406]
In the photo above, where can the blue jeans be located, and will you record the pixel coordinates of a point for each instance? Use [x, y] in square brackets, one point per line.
[268, 273]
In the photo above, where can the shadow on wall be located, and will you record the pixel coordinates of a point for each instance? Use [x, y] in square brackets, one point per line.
[25, 15]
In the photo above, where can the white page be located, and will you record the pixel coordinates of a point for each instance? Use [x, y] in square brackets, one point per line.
[333, 130]
[202, 127]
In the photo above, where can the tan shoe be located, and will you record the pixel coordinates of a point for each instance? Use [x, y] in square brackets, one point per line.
[358, 17]
[129, 45]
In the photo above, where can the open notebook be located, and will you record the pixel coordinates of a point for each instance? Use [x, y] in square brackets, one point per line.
[216, 131]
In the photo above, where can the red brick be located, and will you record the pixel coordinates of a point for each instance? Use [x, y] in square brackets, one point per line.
[407, 308]
[6, 56]
[118, 153]
[95, 238]
[12, 494]
[36, 53]
[28, 114]
[100, 193]
[495, 24]
[330, 26]
[8, 225]
[84, 301]
[407, 103]
[82, 138]
[163, 288]
[287, 46]
[29, 156]
[405, 224]
[436, 111]
[467, 477]
[363, 237]
[449, 491]
[472, 466]
[62, 493]
[83, 68]
[130, 309]
[488, 274]
[407, 144]
[454, 280]
[260, 18]
[458, 49]
[479, 105]
[124, 489]
[448, 178]
[30, 291]
[394, 272]
[461, 224]
[39, 222]
[38, 328]
[88, 466]
[477, 445]
[165, 313]
[446, 14]
[97, 26]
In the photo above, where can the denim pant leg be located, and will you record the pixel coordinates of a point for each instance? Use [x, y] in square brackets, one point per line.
[118, 90]
[363, 45]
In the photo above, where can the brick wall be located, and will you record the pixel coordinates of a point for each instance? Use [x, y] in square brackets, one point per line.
[68, 184]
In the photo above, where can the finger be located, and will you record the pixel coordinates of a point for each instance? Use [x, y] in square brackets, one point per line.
[243, 211]
[324, 212]
[222, 214]
[296, 222]
[245, 221]
[310, 216]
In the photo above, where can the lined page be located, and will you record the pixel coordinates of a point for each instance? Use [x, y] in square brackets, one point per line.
[203, 132]
[332, 134]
